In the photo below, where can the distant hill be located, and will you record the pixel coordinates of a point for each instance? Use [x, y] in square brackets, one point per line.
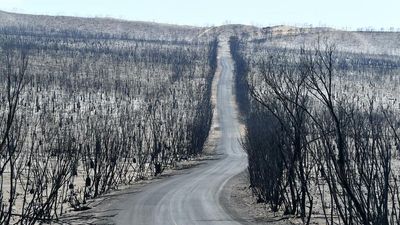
[280, 36]
[132, 29]
[354, 41]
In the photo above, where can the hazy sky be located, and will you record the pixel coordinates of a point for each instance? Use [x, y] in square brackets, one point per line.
[337, 13]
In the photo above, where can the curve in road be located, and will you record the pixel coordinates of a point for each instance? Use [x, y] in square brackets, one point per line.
[194, 197]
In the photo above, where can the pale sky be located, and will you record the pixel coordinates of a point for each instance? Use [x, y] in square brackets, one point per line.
[335, 13]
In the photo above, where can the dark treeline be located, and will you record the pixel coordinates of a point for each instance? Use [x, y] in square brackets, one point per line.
[80, 115]
[322, 131]
[241, 87]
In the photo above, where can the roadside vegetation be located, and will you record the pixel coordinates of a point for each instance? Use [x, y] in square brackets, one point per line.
[89, 105]
[323, 129]
[82, 113]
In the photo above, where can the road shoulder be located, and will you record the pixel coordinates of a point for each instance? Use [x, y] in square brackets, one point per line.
[239, 202]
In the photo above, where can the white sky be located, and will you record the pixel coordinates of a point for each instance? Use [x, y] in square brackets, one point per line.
[335, 13]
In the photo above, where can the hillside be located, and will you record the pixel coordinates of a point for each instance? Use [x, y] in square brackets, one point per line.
[352, 41]
[130, 29]
[283, 36]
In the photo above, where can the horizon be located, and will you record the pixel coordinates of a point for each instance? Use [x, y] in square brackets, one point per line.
[311, 13]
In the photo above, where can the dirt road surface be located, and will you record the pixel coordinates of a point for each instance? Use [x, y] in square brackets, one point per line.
[194, 196]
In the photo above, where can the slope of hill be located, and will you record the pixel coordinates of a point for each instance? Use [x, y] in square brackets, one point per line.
[280, 36]
[109, 26]
[352, 41]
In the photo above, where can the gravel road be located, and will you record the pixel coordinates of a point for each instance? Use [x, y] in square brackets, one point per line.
[194, 196]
